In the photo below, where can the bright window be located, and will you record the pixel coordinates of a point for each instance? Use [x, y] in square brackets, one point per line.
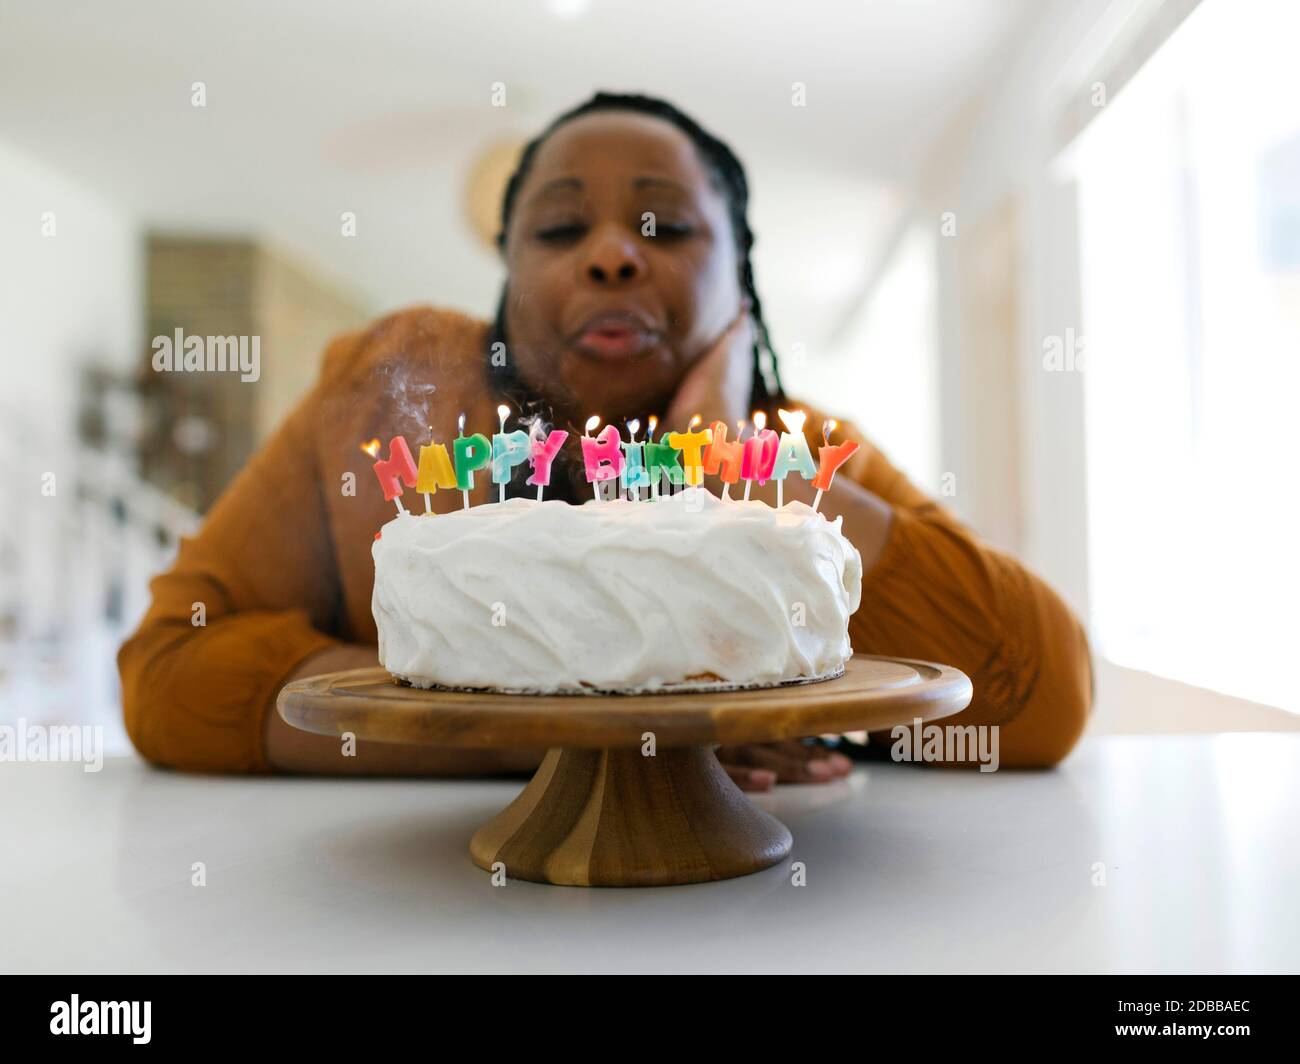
[1189, 191]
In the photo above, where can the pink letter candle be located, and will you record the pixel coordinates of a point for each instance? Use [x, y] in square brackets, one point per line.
[758, 454]
[541, 454]
[602, 456]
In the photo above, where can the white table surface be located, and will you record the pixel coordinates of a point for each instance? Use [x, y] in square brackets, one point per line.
[908, 870]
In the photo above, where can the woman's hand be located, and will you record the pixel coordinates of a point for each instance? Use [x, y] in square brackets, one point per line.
[760, 766]
[718, 385]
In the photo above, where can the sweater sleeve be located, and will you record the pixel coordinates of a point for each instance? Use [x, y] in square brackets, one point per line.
[938, 593]
[260, 577]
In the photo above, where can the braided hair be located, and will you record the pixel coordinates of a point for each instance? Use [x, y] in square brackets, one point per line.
[766, 392]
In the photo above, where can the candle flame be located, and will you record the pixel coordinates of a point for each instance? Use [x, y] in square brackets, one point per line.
[592, 422]
[633, 427]
[829, 426]
[460, 423]
[695, 420]
[503, 412]
[792, 420]
[371, 448]
[654, 424]
[760, 421]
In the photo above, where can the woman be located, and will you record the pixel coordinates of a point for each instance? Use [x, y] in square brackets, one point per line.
[629, 293]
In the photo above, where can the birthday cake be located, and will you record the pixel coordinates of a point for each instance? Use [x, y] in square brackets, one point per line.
[686, 592]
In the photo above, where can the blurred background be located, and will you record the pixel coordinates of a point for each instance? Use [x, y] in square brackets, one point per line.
[1047, 254]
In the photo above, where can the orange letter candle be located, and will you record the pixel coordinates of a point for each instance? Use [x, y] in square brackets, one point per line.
[722, 457]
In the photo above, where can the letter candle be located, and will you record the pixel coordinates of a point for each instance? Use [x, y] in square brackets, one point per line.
[542, 453]
[793, 452]
[428, 506]
[396, 469]
[635, 475]
[831, 456]
[472, 452]
[436, 470]
[649, 439]
[661, 457]
[602, 456]
[691, 443]
[722, 458]
[759, 453]
[508, 450]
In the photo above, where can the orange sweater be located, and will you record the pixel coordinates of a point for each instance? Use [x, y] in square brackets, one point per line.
[283, 569]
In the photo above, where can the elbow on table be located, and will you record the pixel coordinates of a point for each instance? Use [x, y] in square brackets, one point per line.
[1055, 716]
[165, 721]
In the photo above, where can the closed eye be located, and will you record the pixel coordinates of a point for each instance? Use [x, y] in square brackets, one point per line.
[561, 234]
[673, 231]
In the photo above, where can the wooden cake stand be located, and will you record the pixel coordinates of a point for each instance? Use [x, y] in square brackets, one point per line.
[600, 813]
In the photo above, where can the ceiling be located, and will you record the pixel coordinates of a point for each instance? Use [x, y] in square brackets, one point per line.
[316, 107]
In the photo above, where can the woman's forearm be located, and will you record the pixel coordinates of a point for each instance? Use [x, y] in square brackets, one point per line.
[941, 594]
[290, 749]
[867, 517]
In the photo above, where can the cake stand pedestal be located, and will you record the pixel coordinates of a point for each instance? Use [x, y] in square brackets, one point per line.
[630, 792]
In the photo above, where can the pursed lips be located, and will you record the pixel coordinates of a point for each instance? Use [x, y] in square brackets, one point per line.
[615, 334]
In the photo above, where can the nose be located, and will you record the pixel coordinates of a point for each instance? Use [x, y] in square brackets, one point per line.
[614, 259]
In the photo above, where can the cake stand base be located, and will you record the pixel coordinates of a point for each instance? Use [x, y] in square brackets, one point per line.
[598, 813]
[616, 818]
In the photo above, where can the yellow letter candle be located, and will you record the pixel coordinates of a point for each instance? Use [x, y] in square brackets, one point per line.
[691, 443]
[435, 472]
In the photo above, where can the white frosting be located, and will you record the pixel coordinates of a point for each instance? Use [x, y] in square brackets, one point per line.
[549, 597]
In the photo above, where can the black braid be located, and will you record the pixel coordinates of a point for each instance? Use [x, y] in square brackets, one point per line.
[767, 392]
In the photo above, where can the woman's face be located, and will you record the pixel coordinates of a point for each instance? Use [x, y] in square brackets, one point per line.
[601, 316]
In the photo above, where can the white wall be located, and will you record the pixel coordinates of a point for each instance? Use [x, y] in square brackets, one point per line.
[1001, 151]
[1004, 150]
[64, 299]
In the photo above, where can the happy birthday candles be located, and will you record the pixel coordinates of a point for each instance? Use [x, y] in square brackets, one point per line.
[684, 457]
